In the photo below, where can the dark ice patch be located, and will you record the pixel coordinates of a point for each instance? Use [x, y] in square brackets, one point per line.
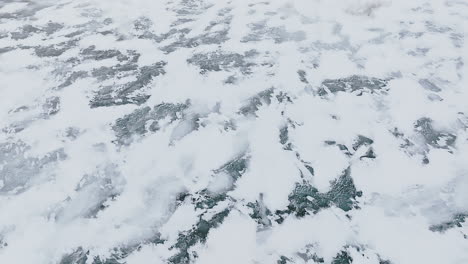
[236, 167]
[302, 76]
[283, 97]
[260, 213]
[74, 33]
[181, 40]
[362, 141]
[142, 24]
[143, 30]
[54, 50]
[256, 101]
[284, 135]
[52, 27]
[434, 137]
[92, 53]
[146, 119]
[74, 76]
[352, 84]
[408, 34]
[342, 147]
[81, 256]
[218, 61]
[283, 260]
[457, 221]
[206, 199]
[119, 70]
[127, 66]
[198, 233]
[309, 168]
[384, 261]
[211, 36]
[50, 51]
[342, 258]
[129, 93]
[305, 198]
[370, 154]
[24, 32]
[27, 12]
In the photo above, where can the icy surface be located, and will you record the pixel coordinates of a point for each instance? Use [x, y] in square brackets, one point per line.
[229, 131]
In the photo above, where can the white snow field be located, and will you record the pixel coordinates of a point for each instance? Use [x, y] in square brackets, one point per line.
[233, 131]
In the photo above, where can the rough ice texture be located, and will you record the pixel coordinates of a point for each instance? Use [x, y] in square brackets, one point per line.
[217, 131]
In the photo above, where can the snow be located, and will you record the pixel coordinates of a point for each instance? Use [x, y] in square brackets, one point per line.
[141, 131]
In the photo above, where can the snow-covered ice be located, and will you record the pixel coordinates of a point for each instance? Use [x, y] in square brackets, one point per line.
[233, 131]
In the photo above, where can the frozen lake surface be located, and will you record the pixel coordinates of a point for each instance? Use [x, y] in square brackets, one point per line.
[233, 131]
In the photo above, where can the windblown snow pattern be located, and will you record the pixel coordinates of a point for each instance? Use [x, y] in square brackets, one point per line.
[233, 131]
